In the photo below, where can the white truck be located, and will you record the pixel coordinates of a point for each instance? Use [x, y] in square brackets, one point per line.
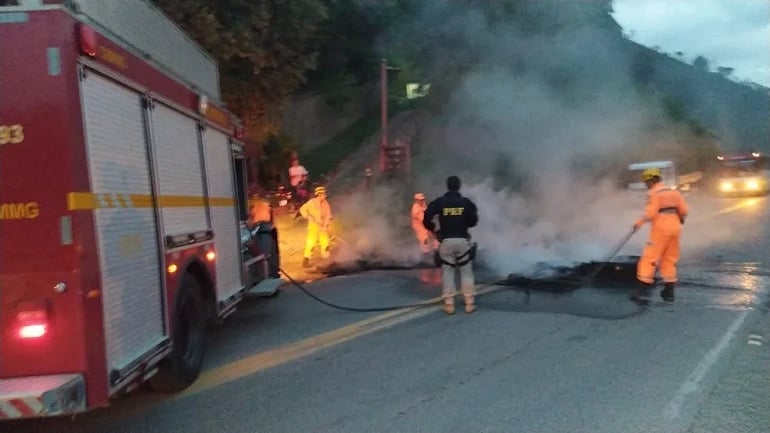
[668, 170]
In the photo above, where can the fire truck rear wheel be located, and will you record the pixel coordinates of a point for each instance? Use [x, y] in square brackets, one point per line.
[183, 365]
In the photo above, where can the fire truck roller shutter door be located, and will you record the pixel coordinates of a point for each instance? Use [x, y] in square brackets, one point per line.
[131, 278]
[177, 150]
[224, 213]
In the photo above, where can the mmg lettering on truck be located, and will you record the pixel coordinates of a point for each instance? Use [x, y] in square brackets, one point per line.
[19, 211]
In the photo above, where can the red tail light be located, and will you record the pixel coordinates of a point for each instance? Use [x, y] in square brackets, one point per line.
[32, 324]
[88, 40]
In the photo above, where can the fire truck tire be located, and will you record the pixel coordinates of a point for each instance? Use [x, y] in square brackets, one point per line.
[183, 365]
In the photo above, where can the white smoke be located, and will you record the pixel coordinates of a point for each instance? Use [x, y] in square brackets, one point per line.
[540, 129]
[375, 226]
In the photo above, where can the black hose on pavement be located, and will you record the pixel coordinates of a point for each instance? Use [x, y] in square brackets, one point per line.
[304, 290]
[576, 281]
[612, 254]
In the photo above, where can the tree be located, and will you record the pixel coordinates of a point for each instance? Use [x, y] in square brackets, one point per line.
[725, 71]
[347, 43]
[264, 48]
[701, 63]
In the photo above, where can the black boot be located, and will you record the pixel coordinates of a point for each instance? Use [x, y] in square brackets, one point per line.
[643, 291]
[668, 292]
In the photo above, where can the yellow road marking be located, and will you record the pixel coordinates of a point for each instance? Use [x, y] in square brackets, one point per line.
[270, 358]
[262, 361]
[743, 204]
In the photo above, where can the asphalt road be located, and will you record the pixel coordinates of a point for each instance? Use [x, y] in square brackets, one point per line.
[588, 360]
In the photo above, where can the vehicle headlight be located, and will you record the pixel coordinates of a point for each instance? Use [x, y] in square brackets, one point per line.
[752, 184]
[726, 186]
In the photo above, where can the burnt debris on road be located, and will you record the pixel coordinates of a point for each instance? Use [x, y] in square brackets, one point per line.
[619, 272]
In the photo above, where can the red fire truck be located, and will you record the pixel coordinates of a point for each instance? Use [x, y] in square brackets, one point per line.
[122, 205]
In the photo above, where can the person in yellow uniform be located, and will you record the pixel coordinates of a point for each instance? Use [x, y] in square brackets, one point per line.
[318, 213]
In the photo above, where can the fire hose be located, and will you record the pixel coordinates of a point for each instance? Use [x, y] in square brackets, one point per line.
[527, 286]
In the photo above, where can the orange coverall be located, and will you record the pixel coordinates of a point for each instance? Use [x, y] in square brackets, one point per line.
[666, 211]
[424, 236]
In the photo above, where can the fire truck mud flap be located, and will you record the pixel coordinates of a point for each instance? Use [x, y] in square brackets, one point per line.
[40, 396]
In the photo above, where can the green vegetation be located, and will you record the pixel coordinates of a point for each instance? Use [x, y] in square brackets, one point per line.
[264, 49]
[271, 49]
[324, 159]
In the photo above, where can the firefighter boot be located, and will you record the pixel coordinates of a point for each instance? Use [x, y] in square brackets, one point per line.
[643, 291]
[449, 308]
[668, 292]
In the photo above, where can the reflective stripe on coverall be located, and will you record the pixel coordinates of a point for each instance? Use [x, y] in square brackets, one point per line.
[423, 235]
[666, 210]
[319, 215]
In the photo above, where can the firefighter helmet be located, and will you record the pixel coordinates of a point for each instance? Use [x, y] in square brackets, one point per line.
[419, 196]
[651, 173]
[320, 190]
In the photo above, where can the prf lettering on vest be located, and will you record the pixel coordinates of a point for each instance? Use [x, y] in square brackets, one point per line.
[453, 211]
[19, 211]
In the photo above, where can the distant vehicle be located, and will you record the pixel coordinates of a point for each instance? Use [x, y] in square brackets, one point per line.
[743, 174]
[668, 170]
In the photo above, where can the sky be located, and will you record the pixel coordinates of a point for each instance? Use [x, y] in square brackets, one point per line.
[730, 33]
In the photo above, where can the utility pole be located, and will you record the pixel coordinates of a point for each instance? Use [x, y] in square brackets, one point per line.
[383, 112]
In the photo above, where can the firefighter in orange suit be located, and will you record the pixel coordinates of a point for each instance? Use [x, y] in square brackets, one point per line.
[319, 215]
[666, 211]
[428, 242]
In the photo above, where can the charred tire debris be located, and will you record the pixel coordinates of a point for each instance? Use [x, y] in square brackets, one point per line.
[607, 273]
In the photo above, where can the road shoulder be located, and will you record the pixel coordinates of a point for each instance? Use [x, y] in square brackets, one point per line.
[740, 401]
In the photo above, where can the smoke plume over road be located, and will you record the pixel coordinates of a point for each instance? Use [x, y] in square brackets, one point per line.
[540, 126]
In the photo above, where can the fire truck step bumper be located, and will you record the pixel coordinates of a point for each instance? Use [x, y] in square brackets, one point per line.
[41, 396]
[266, 287]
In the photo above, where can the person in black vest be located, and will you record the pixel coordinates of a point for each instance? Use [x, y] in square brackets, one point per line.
[456, 214]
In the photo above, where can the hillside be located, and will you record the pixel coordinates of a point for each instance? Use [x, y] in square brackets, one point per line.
[528, 86]
[557, 68]
[737, 113]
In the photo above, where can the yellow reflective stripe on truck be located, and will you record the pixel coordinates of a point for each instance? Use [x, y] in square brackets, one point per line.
[90, 201]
